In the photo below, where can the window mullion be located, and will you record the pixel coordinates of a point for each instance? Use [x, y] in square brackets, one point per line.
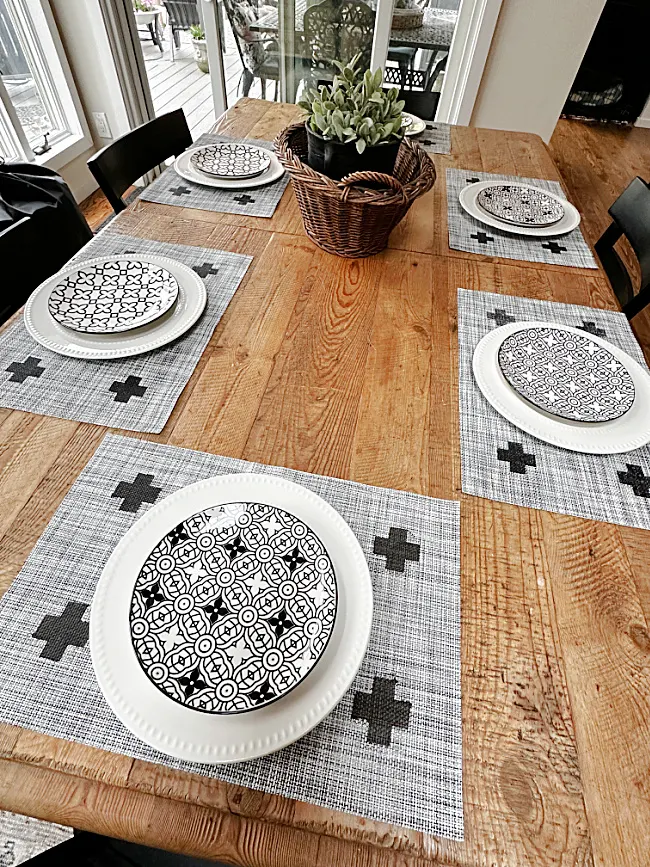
[16, 126]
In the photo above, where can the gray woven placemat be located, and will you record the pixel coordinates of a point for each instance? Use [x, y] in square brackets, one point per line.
[135, 393]
[171, 189]
[23, 838]
[466, 233]
[436, 138]
[501, 462]
[391, 750]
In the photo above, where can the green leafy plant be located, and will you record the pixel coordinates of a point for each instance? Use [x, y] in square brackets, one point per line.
[144, 5]
[354, 108]
[197, 31]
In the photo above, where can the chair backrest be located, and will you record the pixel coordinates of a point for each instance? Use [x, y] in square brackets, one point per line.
[56, 233]
[631, 212]
[337, 30]
[183, 14]
[119, 164]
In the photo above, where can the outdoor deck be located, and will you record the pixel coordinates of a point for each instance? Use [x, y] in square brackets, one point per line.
[180, 83]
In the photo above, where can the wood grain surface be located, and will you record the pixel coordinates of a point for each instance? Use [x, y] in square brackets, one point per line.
[349, 368]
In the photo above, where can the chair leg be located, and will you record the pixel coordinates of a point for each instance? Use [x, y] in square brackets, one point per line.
[277, 90]
[263, 87]
[177, 38]
[247, 80]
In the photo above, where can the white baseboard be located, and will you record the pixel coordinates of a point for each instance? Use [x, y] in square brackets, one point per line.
[643, 121]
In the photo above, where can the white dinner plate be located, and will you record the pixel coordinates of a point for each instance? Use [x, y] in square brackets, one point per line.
[182, 732]
[415, 125]
[624, 434]
[47, 331]
[183, 166]
[569, 222]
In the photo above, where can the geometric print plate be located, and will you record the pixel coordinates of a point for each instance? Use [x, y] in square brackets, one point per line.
[566, 375]
[233, 608]
[522, 206]
[231, 160]
[112, 296]
[390, 750]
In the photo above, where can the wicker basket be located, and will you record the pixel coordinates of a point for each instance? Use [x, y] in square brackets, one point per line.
[407, 19]
[353, 217]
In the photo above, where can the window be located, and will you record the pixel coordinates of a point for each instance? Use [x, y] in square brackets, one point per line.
[40, 117]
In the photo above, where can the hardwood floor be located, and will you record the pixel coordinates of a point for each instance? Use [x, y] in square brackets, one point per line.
[595, 161]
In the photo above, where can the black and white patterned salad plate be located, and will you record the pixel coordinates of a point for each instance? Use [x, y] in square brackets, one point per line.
[233, 608]
[169, 326]
[211, 639]
[520, 205]
[185, 168]
[469, 201]
[112, 296]
[232, 160]
[567, 375]
[627, 432]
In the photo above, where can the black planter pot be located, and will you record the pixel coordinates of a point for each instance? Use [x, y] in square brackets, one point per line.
[336, 159]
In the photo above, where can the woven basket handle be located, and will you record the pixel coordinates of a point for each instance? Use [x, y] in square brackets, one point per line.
[378, 178]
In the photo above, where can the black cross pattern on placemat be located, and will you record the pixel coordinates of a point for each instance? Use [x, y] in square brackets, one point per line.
[554, 247]
[243, 199]
[124, 391]
[517, 458]
[20, 370]
[137, 492]
[481, 237]
[427, 142]
[396, 549]
[381, 711]
[636, 478]
[472, 180]
[205, 269]
[592, 328]
[179, 191]
[129, 252]
[62, 631]
[501, 317]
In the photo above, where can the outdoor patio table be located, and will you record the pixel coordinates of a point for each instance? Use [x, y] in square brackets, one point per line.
[348, 368]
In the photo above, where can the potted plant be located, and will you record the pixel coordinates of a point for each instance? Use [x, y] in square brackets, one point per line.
[353, 124]
[407, 14]
[200, 47]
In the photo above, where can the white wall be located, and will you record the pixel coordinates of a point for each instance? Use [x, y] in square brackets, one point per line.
[536, 51]
[84, 38]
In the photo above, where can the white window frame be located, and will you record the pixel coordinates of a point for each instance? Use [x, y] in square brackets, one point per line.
[35, 19]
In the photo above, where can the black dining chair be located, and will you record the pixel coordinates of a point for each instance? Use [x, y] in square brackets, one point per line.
[128, 158]
[33, 249]
[631, 217]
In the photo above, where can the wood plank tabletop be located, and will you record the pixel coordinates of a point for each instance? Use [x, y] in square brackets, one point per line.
[348, 368]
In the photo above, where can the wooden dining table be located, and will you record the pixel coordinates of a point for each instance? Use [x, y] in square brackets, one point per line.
[349, 368]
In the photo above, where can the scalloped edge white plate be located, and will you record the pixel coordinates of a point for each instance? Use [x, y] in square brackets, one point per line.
[569, 222]
[416, 126]
[624, 434]
[184, 168]
[190, 304]
[179, 731]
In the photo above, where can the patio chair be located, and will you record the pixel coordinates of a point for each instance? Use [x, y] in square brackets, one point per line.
[258, 51]
[337, 31]
[182, 15]
[128, 158]
[631, 216]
